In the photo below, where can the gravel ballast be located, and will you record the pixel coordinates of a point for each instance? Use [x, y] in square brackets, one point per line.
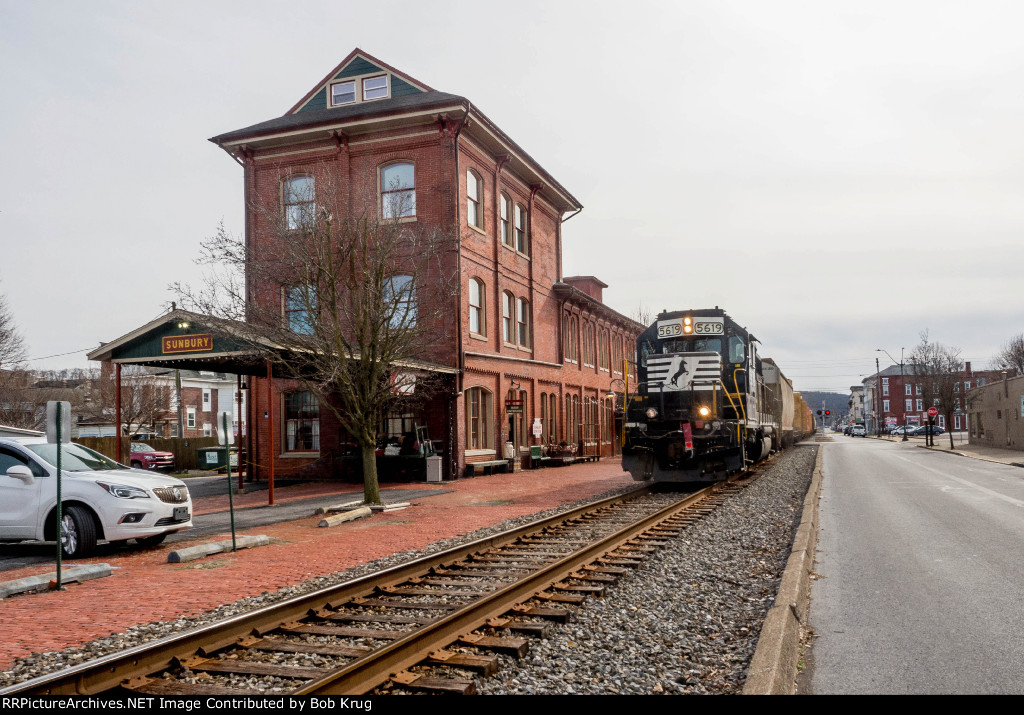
[686, 621]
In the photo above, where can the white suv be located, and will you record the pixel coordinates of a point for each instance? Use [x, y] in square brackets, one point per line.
[100, 498]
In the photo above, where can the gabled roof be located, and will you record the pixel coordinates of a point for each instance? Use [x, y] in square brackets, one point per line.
[359, 63]
[409, 101]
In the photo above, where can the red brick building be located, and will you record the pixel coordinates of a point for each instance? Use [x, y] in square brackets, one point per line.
[536, 353]
[894, 397]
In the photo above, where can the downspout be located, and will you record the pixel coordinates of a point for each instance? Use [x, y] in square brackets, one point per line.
[453, 461]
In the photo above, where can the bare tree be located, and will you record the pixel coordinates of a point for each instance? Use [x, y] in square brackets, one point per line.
[355, 297]
[939, 370]
[12, 344]
[145, 398]
[1011, 357]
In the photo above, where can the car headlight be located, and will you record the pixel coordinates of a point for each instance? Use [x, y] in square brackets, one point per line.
[124, 492]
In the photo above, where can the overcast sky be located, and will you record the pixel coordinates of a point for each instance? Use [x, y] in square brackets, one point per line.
[839, 176]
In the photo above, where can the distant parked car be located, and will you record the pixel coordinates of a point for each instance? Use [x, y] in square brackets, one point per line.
[859, 431]
[900, 429]
[923, 430]
[145, 457]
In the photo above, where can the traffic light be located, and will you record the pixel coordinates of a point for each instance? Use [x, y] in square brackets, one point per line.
[819, 413]
[828, 412]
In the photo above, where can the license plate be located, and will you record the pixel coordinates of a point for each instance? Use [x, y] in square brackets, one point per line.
[181, 513]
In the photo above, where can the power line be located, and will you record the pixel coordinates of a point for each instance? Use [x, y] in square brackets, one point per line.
[47, 357]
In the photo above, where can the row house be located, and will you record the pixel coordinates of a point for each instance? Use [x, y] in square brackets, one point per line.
[535, 357]
[894, 396]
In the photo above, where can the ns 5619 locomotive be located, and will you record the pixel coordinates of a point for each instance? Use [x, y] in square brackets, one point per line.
[706, 404]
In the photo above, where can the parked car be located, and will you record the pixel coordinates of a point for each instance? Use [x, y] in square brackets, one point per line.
[101, 499]
[859, 431]
[898, 431]
[145, 457]
[923, 430]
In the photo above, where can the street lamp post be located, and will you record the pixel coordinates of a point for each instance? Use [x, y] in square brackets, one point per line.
[902, 383]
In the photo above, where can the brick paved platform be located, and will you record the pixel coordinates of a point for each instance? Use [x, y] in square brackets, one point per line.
[146, 588]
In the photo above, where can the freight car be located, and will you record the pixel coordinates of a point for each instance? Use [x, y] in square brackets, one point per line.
[705, 404]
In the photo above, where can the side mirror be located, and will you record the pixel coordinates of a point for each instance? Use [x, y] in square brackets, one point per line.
[21, 472]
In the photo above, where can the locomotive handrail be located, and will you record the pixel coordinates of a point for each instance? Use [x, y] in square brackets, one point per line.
[743, 407]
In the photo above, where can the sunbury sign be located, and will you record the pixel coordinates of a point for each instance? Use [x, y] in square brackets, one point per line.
[187, 343]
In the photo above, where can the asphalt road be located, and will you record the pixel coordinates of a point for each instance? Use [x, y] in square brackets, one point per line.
[921, 573]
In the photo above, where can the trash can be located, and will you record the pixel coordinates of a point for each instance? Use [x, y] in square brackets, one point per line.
[433, 469]
[211, 458]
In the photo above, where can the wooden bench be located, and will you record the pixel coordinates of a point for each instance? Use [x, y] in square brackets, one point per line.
[487, 467]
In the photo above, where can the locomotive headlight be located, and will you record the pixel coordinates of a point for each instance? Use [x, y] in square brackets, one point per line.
[651, 413]
[687, 325]
[703, 411]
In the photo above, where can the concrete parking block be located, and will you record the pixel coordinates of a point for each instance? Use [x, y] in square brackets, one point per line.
[42, 582]
[216, 547]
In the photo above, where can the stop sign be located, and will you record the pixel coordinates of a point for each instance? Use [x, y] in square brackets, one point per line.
[932, 411]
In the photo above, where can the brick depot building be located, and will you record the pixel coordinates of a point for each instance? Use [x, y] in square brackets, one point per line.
[536, 353]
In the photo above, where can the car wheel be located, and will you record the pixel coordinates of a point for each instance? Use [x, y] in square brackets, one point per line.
[149, 542]
[136, 465]
[78, 532]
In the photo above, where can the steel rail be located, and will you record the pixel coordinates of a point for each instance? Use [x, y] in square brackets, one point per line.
[109, 671]
[364, 674]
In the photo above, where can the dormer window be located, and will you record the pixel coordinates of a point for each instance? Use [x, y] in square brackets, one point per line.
[343, 93]
[375, 88]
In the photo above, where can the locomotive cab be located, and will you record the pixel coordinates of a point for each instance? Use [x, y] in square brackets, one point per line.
[696, 414]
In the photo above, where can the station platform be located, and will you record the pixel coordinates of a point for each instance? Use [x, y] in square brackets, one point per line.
[145, 587]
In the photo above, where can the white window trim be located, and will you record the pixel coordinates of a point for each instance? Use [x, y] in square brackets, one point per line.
[330, 92]
[358, 89]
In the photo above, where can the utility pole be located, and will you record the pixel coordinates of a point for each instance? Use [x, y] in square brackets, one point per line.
[181, 419]
[878, 399]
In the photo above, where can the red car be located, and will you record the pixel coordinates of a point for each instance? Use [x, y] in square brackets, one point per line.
[145, 457]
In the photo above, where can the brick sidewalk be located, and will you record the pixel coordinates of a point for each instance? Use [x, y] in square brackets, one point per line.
[146, 588]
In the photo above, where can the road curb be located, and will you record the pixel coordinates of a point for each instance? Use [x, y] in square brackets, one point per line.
[773, 668]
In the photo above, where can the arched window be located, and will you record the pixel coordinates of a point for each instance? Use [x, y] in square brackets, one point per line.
[400, 300]
[520, 228]
[523, 322]
[553, 418]
[506, 317]
[479, 406]
[568, 419]
[506, 209]
[299, 198]
[302, 422]
[474, 189]
[477, 312]
[398, 191]
[543, 413]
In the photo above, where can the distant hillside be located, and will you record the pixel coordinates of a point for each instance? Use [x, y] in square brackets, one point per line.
[838, 403]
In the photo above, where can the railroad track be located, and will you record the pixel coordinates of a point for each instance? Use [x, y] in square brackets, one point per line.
[427, 625]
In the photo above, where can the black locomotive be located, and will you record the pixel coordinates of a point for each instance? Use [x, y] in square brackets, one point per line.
[706, 404]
